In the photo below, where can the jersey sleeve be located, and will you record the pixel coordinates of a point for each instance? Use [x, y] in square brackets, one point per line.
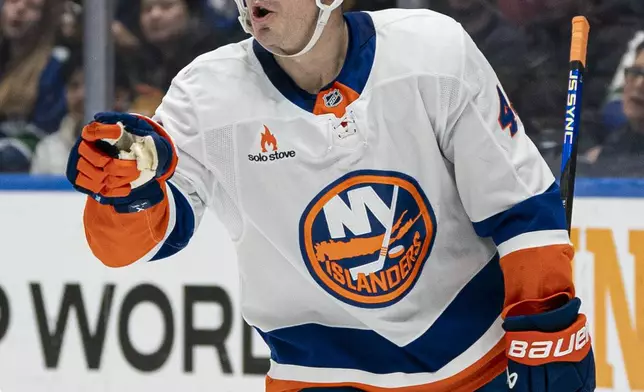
[505, 185]
[192, 183]
[122, 239]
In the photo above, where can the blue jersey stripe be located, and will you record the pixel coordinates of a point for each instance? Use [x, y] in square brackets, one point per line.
[540, 212]
[470, 314]
[183, 229]
[465, 320]
[355, 71]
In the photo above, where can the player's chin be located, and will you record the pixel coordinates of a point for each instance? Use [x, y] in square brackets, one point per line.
[268, 39]
[261, 34]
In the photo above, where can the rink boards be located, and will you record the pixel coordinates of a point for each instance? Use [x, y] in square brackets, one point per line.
[69, 324]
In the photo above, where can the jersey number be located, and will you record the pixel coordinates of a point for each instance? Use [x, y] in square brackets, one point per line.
[507, 117]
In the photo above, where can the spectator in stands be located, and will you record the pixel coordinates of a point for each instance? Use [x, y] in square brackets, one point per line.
[522, 12]
[70, 34]
[32, 100]
[219, 15]
[549, 42]
[172, 33]
[613, 24]
[369, 5]
[223, 15]
[613, 111]
[52, 152]
[622, 152]
[503, 45]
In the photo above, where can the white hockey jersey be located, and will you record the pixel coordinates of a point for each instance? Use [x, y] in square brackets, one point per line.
[381, 225]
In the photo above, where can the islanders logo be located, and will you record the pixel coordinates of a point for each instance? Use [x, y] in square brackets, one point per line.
[366, 237]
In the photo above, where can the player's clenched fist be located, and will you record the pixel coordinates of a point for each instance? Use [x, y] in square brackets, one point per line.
[122, 160]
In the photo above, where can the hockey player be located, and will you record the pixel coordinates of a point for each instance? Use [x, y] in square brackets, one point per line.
[396, 229]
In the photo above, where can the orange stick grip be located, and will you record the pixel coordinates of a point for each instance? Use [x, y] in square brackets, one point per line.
[579, 42]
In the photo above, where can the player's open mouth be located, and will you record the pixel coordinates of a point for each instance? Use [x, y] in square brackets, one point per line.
[261, 13]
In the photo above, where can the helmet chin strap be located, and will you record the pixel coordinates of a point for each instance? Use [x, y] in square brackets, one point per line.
[323, 19]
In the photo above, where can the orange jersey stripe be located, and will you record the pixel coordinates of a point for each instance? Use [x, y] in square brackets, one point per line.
[538, 273]
[474, 377]
[119, 240]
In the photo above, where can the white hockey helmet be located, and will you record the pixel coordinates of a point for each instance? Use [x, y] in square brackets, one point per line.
[323, 19]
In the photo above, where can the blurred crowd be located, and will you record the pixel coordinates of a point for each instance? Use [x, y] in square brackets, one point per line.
[42, 84]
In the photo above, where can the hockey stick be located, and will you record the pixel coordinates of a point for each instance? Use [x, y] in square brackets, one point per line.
[578, 49]
[377, 265]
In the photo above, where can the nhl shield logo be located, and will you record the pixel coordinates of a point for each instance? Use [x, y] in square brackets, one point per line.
[366, 237]
[333, 98]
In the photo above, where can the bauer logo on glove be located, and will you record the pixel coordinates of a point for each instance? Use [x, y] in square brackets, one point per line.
[535, 348]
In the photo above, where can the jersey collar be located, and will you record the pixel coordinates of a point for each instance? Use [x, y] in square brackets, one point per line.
[355, 71]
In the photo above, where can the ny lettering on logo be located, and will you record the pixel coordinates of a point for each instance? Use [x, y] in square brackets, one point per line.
[366, 237]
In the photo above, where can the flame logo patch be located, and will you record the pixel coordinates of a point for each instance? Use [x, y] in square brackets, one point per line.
[366, 237]
[268, 139]
[269, 151]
